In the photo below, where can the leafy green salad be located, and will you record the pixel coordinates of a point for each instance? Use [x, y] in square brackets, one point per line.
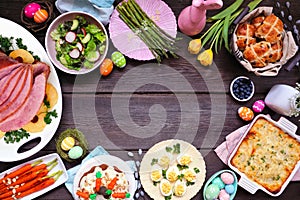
[78, 43]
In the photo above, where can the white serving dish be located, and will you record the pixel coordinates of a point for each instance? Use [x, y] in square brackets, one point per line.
[111, 161]
[60, 166]
[10, 152]
[251, 186]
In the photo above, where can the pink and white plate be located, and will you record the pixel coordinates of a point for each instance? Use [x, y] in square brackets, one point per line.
[128, 43]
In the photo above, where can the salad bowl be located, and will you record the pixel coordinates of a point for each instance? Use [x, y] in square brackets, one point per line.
[72, 45]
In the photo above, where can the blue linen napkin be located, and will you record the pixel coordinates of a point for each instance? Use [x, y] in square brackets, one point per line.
[96, 152]
[101, 9]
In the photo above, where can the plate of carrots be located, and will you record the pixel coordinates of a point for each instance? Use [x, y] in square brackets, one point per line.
[33, 178]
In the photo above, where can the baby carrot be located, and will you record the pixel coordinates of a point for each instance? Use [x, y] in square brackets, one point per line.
[43, 184]
[21, 170]
[83, 194]
[112, 184]
[122, 195]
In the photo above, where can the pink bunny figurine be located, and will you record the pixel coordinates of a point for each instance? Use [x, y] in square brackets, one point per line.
[192, 19]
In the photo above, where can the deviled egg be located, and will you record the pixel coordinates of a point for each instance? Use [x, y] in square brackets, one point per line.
[164, 161]
[179, 188]
[172, 173]
[165, 187]
[156, 175]
[184, 159]
[190, 175]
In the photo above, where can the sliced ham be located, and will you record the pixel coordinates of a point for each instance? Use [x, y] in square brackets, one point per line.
[41, 67]
[10, 84]
[29, 108]
[7, 65]
[19, 95]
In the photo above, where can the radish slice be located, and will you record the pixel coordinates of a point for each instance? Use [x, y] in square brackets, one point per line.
[79, 46]
[83, 31]
[70, 37]
[75, 53]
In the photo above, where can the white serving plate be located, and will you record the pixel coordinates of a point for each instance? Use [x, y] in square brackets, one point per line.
[111, 161]
[251, 186]
[9, 152]
[60, 166]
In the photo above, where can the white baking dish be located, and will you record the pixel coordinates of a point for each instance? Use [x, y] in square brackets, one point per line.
[251, 186]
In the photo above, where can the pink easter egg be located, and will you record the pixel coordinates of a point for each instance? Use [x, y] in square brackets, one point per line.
[245, 113]
[227, 178]
[258, 106]
[30, 9]
[223, 195]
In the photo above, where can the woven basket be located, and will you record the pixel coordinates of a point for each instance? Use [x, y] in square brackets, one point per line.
[31, 24]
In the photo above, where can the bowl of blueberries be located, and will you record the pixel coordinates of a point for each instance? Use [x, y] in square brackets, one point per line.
[242, 88]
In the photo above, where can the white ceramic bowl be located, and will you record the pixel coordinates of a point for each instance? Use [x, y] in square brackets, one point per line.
[232, 89]
[50, 43]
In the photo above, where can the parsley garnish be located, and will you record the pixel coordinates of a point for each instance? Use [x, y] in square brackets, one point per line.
[155, 183]
[181, 167]
[188, 183]
[47, 103]
[197, 171]
[168, 197]
[22, 46]
[154, 161]
[164, 173]
[48, 116]
[176, 148]
[180, 177]
[169, 149]
[6, 43]
[15, 136]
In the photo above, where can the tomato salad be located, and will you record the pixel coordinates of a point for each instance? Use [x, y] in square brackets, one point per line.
[78, 43]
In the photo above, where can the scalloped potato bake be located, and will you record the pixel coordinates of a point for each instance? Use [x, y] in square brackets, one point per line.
[267, 155]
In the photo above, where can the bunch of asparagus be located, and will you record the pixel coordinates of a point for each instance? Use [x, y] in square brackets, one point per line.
[157, 40]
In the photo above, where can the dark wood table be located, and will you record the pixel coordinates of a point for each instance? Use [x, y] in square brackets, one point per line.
[144, 104]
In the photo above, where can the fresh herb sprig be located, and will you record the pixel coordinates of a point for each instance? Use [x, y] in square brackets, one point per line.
[48, 116]
[15, 136]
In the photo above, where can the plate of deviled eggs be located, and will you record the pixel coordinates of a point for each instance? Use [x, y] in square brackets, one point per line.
[172, 169]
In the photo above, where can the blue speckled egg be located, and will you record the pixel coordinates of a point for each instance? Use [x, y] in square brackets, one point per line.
[212, 192]
[229, 189]
[75, 152]
[218, 181]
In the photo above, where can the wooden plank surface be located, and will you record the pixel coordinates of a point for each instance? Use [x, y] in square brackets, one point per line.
[146, 103]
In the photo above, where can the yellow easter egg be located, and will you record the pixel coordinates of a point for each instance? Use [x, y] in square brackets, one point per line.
[67, 143]
[40, 16]
[245, 113]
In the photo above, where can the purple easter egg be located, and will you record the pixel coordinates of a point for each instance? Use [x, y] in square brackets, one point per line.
[227, 178]
[258, 106]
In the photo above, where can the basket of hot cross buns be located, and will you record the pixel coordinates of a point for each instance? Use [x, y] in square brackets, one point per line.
[261, 44]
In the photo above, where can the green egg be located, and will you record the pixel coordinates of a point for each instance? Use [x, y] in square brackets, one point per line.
[75, 152]
[212, 192]
[118, 59]
[218, 181]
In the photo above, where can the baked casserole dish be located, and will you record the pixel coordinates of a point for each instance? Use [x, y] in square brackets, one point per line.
[267, 155]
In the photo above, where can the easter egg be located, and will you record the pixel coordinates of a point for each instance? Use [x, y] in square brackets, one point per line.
[212, 192]
[118, 59]
[40, 16]
[218, 181]
[30, 9]
[75, 152]
[229, 189]
[223, 195]
[245, 113]
[67, 143]
[227, 178]
[106, 67]
[258, 106]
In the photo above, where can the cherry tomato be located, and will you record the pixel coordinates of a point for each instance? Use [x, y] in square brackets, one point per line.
[106, 67]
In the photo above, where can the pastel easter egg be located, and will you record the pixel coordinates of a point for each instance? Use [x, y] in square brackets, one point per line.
[212, 192]
[75, 152]
[223, 195]
[40, 16]
[30, 9]
[245, 113]
[67, 143]
[229, 189]
[227, 178]
[118, 59]
[258, 106]
[218, 181]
